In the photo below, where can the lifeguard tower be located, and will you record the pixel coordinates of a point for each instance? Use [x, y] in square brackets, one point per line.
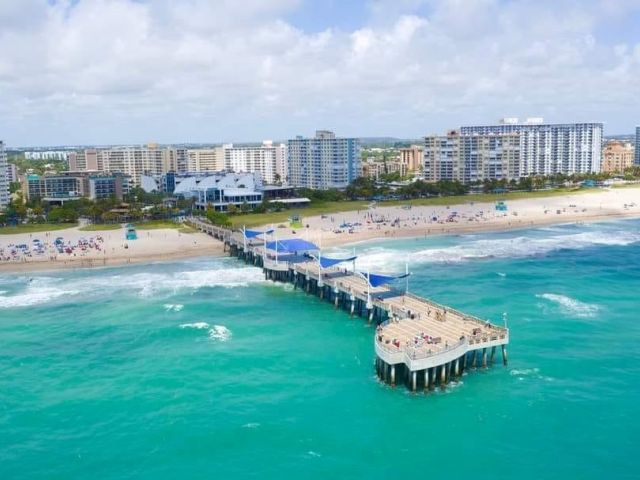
[131, 232]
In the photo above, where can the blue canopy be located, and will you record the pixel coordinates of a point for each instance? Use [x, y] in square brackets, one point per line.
[256, 233]
[330, 262]
[292, 245]
[377, 280]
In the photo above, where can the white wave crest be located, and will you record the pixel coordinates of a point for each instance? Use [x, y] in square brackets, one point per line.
[42, 290]
[169, 307]
[571, 306]
[251, 425]
[32, 297]
[220, 333]
[386, 258]
[196, 325]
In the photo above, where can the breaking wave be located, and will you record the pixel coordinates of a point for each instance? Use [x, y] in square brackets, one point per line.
[169, 307]
[220, 333]
[469, 249]
[42, 290]
[196, 325]
[571, 306]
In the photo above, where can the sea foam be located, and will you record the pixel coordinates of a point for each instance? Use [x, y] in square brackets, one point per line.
[196, 325]
[386, 258]
[220, 333]
[43, 290]
[571, 306]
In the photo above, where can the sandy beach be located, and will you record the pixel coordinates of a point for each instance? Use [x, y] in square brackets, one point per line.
[420, 221]
[109, 248]
[78, 249]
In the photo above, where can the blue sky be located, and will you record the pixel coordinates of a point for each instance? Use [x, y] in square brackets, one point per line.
[211, 71]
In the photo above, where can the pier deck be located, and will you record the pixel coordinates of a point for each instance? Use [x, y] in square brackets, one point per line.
[416, 340]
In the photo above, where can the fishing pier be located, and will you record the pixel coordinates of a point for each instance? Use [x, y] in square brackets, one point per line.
[417, 342]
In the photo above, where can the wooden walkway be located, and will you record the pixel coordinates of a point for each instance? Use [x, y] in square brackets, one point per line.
[417, 341]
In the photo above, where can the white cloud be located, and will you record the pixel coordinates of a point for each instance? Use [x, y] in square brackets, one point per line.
[103, 71]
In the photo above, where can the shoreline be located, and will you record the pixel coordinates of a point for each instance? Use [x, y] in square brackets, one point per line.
[493, 228]
[165, 245]
[106, 262]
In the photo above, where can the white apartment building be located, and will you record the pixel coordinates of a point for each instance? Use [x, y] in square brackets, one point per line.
[4, 180]
[12, 173]
[204, 160]
[324, 161]
[268, 160]
[132, 161]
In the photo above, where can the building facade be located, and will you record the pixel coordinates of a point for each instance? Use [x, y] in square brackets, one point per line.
[546, 149]
[324, 161]
[4, 178]
[471, 158]
[204, 160]
[73, 185]
[12, 173]
[637, 154]
[132, 161]
[411, 158]
[617, 157]
[268, 160]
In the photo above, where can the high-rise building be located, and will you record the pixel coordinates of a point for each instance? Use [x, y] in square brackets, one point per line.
[637, 161]
[324, 161]
[411, 158]
[547, 148]
[12, 173]
[471, 158]
[4, 180]
[132, 161]
[617, 157]
[268, 160]
[205, 160]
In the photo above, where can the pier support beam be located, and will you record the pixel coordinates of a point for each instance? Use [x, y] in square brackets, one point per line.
[493, 354]
[484, 358]
[443, 375]
[370, 315]
[474, 354]
[504, 355]
[456, 370]
[353, 305]
[426, 379]
[393, 376]
[414, 381]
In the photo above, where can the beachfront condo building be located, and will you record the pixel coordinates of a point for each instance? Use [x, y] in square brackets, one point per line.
[4, 178]
[65, 186]
[637, 155]
[471, 158]
[204, 160]
[132, 161]
[617, 156]
[268, 160]
[324, 161]
[12, 173]
[411, 158]
[547, 148]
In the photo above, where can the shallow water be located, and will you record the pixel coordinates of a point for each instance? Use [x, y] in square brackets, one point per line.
[201, 369]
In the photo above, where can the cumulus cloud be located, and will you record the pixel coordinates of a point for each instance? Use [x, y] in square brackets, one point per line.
[108, 71]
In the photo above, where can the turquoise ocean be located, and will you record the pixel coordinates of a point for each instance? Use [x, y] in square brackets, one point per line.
[201, 369]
